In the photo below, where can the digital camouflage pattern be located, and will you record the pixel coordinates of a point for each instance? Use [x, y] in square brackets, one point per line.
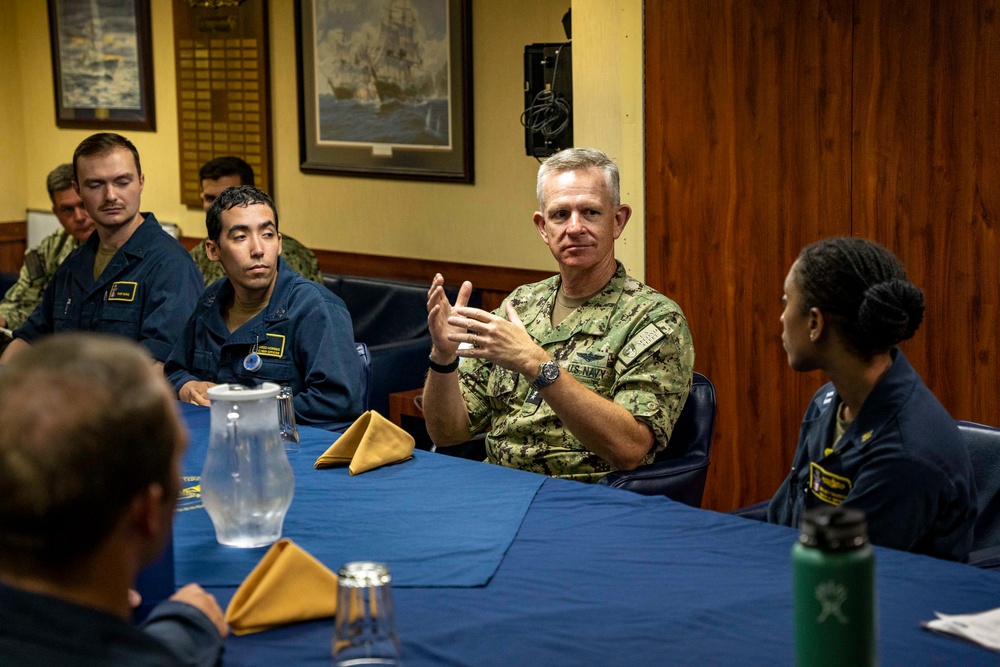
[40, 265]
[300, 258]
[628, 343]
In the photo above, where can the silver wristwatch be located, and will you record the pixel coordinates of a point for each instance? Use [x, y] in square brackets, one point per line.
[547, 374]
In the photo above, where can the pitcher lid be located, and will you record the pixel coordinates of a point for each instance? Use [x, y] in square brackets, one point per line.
[239, 392]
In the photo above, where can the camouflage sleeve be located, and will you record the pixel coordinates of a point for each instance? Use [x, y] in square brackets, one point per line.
[654, 373]
[301, 259]
[210, 271]
[40, 265]
[474, 375]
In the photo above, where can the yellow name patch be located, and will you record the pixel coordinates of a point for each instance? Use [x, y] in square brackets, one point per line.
[828, 487]
[123, 291]
[190, 495]
[276, 347]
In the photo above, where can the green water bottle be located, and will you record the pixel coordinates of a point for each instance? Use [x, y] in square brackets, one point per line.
[833, 579]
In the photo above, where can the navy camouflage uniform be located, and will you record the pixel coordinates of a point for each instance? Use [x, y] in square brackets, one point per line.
[301, 259]
[145, 293]
[902, 461]
[40, 264]
[628, 343]
[304, 338]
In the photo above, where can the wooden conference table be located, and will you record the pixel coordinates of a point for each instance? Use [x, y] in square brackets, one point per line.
[501, 567]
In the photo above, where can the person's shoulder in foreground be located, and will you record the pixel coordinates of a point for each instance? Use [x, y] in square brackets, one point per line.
[42, 630]
[71, 546]
[875, 438]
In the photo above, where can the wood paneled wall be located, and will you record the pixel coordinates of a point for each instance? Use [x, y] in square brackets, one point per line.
[772, 124]
[926, 160]
[13, 237]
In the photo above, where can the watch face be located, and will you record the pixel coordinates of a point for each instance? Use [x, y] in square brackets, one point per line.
[547, 374]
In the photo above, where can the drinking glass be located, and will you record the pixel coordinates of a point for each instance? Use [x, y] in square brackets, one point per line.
[286, 420]
[365, 629]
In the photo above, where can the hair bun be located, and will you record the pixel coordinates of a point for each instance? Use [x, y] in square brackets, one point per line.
[891, 312]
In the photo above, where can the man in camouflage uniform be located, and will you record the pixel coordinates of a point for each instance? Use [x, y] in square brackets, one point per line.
[225, 172]
[577, 375]
[40, 263]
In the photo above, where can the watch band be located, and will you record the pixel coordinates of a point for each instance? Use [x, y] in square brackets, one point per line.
[443, 368]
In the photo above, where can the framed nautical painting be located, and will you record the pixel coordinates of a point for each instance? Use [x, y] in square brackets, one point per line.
[385, 88]
[102, 64]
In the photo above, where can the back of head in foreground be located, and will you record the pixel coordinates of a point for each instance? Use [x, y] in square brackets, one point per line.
[86, 427]
[862, 290]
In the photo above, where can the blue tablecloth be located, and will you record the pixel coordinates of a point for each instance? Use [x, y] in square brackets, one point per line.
[435, 520]
[600, 576]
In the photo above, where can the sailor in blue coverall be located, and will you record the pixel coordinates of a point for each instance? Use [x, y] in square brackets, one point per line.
[900, 461]
[875, 438]
[144, 293]
[297, 334]
[130, 278]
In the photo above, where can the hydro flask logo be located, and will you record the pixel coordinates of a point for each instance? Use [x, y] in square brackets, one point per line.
[831, 597]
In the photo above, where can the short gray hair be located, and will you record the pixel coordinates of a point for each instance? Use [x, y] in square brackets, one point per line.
[579, 159]
[60, 178]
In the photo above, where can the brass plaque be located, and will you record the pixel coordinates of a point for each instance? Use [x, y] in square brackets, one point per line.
[223, 88]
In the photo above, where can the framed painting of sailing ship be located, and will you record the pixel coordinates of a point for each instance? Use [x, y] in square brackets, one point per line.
[385, 88]
[102, 64]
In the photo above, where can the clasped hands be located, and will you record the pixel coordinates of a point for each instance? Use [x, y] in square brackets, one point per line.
[504, 342]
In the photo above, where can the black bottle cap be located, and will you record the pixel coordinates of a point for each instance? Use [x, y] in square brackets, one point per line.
[833, 529]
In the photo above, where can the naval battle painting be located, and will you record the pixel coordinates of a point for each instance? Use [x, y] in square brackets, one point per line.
[385, 88]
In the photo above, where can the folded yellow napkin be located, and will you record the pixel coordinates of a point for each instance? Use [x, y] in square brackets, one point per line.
[371, 441]
[288, 585]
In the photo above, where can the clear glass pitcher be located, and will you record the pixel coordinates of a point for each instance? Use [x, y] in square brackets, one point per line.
[247, 483]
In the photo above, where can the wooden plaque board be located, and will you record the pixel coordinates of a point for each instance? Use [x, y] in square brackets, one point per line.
[223, 88]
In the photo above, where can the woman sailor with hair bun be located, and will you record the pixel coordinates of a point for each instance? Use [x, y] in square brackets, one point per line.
[875, 438]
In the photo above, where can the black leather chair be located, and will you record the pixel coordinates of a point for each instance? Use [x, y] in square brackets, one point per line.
[680, 470]
[984, 450]
[7, 281]
[390, 316]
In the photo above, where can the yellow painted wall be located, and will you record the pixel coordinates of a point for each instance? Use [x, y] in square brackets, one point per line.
[485, 223]
[12, 145]
[607, 100]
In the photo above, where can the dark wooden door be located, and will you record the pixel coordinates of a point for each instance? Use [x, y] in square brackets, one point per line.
[771, 124]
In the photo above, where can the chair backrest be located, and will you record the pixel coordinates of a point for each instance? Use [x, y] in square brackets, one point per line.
[679, 472]
[366, 374]
[387, 311]
[983, 443]
[694, 428]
